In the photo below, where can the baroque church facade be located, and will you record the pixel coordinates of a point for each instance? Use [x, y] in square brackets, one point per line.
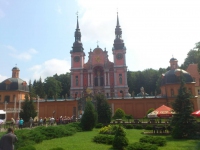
[99, 74]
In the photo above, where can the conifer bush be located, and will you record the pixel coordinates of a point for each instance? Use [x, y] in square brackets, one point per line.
[89, 118]
[120, 141]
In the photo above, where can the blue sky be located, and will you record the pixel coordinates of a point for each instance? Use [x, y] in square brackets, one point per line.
[38, 35]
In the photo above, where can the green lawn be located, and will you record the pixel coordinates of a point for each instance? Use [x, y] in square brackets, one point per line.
[83, 141]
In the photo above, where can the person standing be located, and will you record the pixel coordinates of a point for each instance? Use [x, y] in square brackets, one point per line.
[7, 141]
[21, 123]
[31, 122]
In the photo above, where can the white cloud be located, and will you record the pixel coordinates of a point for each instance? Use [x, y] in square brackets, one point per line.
[153, 30]
[2, 78]
[49, 68]
[9, 47]
[27, 55]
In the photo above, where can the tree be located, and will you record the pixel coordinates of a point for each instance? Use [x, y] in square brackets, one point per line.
[52, 87]
[31, 90]
[89, 118]
[120, 141]
[119, 114]
[65, 80]
[182, 126]
[103, 109]
[28, 109]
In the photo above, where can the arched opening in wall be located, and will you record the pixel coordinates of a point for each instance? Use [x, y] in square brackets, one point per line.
[98, 73]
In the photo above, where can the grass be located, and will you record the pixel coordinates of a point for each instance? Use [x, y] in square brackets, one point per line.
[83, 141]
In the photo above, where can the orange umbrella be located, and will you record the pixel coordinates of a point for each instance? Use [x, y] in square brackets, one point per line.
[196, 113]
[163, 112]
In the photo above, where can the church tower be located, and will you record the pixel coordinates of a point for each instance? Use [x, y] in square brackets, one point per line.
[77, 63]
[120, 68]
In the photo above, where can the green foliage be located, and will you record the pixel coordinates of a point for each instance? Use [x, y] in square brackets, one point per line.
[120, 141]
[29, 147]
[104, 139]
[57, 148]
[110, 129]
[141, 146]
[182, 127]
[38, 88]
[119, 114]
[128, 117]
[37, 135]
[52, 87]
[103, 109]
[129, 126]
[99, 125]
[159, 141]
[149, 127]
[138, 127]
[28, 109]
[65, 80]
[89, 118]
[149, 79]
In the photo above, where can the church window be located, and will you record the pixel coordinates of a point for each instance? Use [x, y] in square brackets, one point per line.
[7, 86]
[120, 78]
[0, 97]
[172, 93]
[194, 79]
[198, 92]
[76, 80]
[7, 99]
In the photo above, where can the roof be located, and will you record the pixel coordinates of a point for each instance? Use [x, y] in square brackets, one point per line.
[15, 84]
[170, 77]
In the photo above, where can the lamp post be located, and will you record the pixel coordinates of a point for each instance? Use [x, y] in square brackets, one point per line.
[5, 109]
[38, 106]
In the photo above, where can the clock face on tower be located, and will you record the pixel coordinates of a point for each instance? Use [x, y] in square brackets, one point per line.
[76, 58]
[119, 56]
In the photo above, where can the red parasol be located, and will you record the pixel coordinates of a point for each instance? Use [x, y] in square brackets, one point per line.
[163, 112]
[196, 113]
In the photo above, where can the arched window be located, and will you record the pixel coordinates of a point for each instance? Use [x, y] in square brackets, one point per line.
[76, 80]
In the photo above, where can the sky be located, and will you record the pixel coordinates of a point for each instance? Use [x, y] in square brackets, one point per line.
[37, 36]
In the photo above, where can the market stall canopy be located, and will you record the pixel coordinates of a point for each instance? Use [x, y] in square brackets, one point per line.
[196, 113]
[162, 112]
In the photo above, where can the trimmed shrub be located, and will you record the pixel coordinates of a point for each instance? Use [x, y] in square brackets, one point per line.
[29, 147]
[149, 127]
[120, 141]
[159, 141]
[138, 127]
[110, 129]
[105, 139]
[119, 114]
[76, 125]
[142, 146]
[30, 137]
[99, 125]
[129, 126]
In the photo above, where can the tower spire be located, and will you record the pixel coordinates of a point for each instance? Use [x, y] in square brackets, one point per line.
[118, 20]
[77, 25]
[118, 42]
[77, 46]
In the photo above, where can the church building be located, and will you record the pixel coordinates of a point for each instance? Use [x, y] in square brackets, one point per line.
[99, 74]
